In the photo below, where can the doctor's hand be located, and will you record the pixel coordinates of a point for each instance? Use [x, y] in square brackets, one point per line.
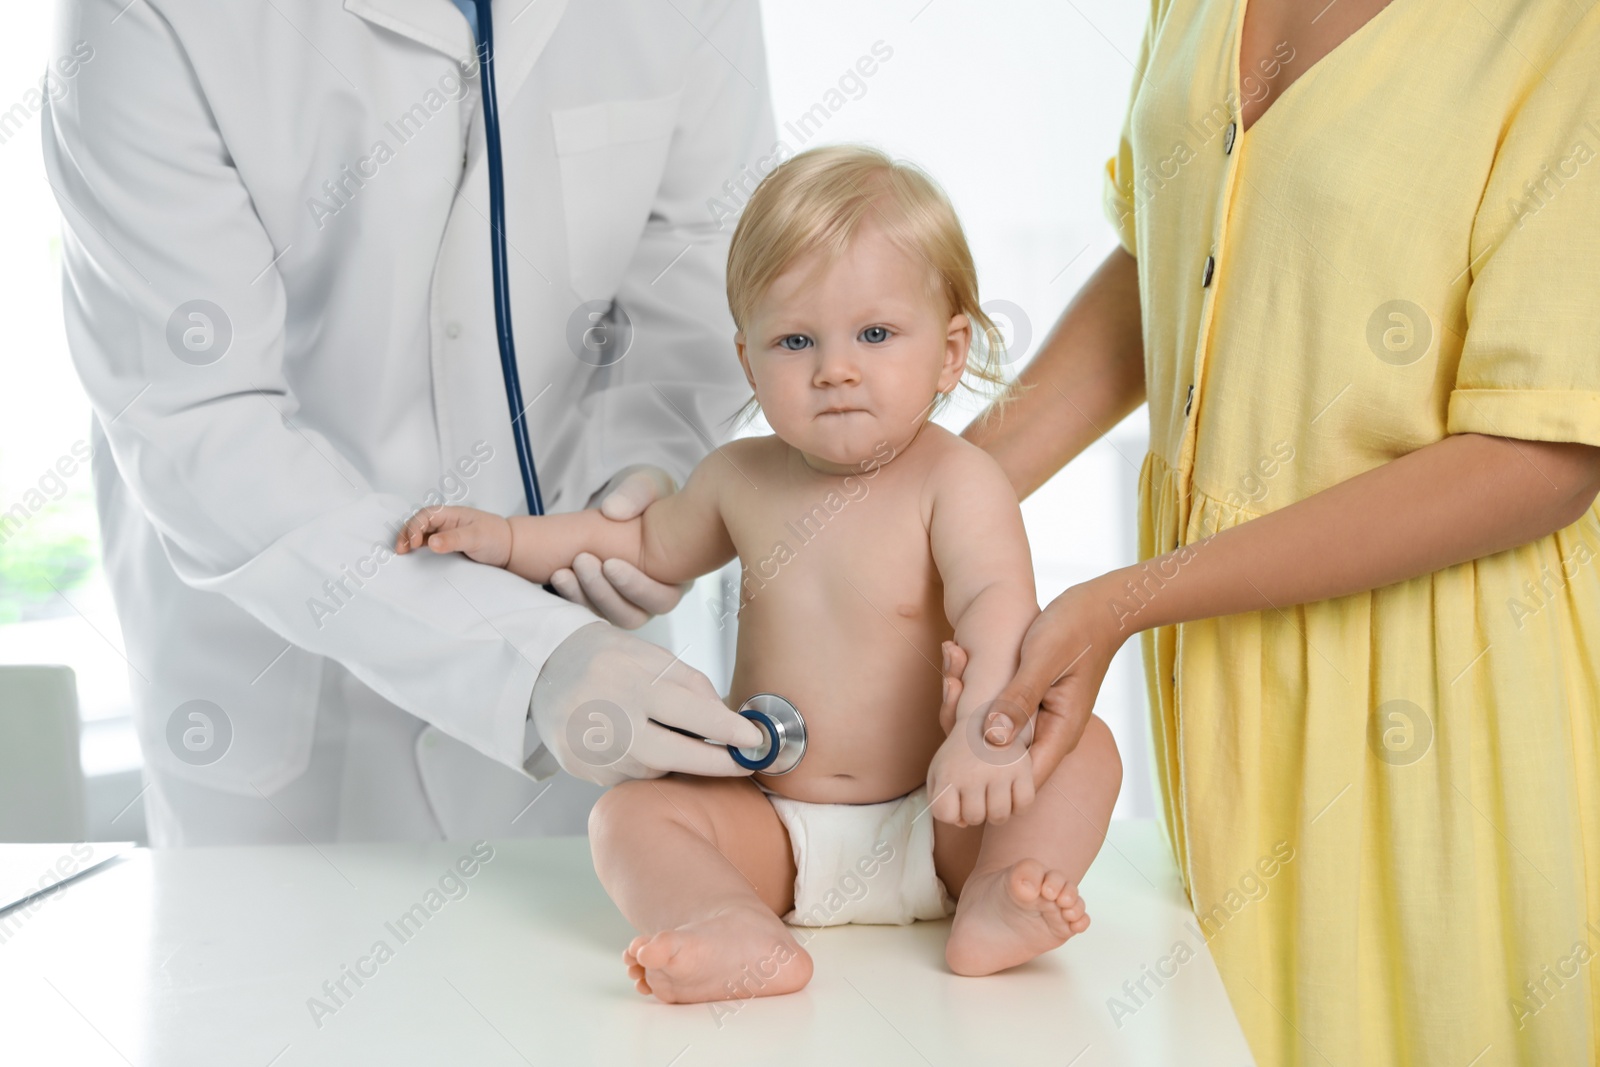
[480, 535]
[615, 589]
[597, 693]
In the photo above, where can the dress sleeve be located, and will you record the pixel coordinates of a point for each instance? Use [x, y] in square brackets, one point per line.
[1117, 194]
[1530, 361]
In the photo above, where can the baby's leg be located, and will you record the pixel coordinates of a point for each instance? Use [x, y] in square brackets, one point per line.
[703, 867]
[1020, 898]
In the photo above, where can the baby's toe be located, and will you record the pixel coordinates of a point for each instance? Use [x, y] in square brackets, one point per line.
[635, 968]
[658, 951]
[1070, 903]
[1067, 906]
[1027, 876]
[1054, 883]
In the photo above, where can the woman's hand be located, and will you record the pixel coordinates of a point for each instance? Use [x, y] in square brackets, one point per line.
[1065, 656]
[482, 536]
[615, 589]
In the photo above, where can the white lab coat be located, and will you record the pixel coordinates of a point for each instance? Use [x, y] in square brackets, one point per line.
[296, 163]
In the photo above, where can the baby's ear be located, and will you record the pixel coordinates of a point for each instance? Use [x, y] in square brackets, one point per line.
[744, 358]
[958, 344]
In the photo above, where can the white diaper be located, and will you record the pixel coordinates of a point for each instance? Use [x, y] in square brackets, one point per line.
[862, 863]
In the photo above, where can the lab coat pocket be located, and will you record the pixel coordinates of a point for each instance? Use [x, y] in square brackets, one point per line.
[611, 155]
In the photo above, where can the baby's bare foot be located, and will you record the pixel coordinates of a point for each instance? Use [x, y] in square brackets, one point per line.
[737, 953]
[1010, 916]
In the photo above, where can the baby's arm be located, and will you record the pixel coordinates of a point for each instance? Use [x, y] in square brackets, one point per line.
[981, 550]
[678, 537]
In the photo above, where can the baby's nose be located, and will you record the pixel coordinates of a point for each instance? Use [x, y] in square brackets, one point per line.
[837, 370]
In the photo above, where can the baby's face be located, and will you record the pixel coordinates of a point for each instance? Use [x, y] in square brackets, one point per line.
[848, 355]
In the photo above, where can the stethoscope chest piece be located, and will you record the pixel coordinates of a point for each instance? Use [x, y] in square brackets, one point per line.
[785, 744]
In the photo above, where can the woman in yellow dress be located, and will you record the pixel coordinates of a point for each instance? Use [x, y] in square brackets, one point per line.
[1359, 286]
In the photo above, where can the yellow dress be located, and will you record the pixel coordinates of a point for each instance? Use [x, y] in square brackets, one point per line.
[1385, 807]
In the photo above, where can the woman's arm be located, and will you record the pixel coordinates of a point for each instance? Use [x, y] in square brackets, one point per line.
[1087, 377]
[1467, 496]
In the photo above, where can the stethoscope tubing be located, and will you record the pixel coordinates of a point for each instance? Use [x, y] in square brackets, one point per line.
[500, 268]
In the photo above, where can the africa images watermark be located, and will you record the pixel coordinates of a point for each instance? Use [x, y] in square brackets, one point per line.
[340, 190]
[48, 488]
[1154, 576]
[1538, 994]
[1543, 592]
[1537, 193]
[352, 578]
[850, 887]
[1251, 888]
[1253, 483]
[806, 529]
[851, 85]
[337, 992]
[52, 89]
[77, 858]
[1253, 487]
[1218, 120]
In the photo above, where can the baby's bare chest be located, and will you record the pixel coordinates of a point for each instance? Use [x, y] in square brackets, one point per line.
[854, 550]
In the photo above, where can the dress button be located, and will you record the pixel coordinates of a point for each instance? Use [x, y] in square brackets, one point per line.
[1228, 136]
[1211, 266]
[453, 330]
[1188, 402]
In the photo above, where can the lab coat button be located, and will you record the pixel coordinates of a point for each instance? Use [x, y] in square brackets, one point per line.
[452, 330]
[1211, 266]
[1227, 138]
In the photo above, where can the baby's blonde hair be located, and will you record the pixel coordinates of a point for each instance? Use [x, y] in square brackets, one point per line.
[817, 200]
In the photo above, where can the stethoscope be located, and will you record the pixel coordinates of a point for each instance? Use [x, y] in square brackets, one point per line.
[497, 256]
[785, 743]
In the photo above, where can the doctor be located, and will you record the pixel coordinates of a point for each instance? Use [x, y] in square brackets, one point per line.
[278, 298]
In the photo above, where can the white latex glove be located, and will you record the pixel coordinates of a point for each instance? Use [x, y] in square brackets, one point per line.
[599, 689]
[615, 589]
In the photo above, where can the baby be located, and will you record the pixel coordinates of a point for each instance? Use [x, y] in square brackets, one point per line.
[869, 537]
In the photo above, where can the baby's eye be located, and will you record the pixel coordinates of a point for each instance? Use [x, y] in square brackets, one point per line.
[794, 342]
[875, 335]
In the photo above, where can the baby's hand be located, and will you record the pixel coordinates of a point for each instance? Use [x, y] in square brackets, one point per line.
[481, 535]
[971, 781]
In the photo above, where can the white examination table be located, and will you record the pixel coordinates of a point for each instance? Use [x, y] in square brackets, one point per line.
[220, 956]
